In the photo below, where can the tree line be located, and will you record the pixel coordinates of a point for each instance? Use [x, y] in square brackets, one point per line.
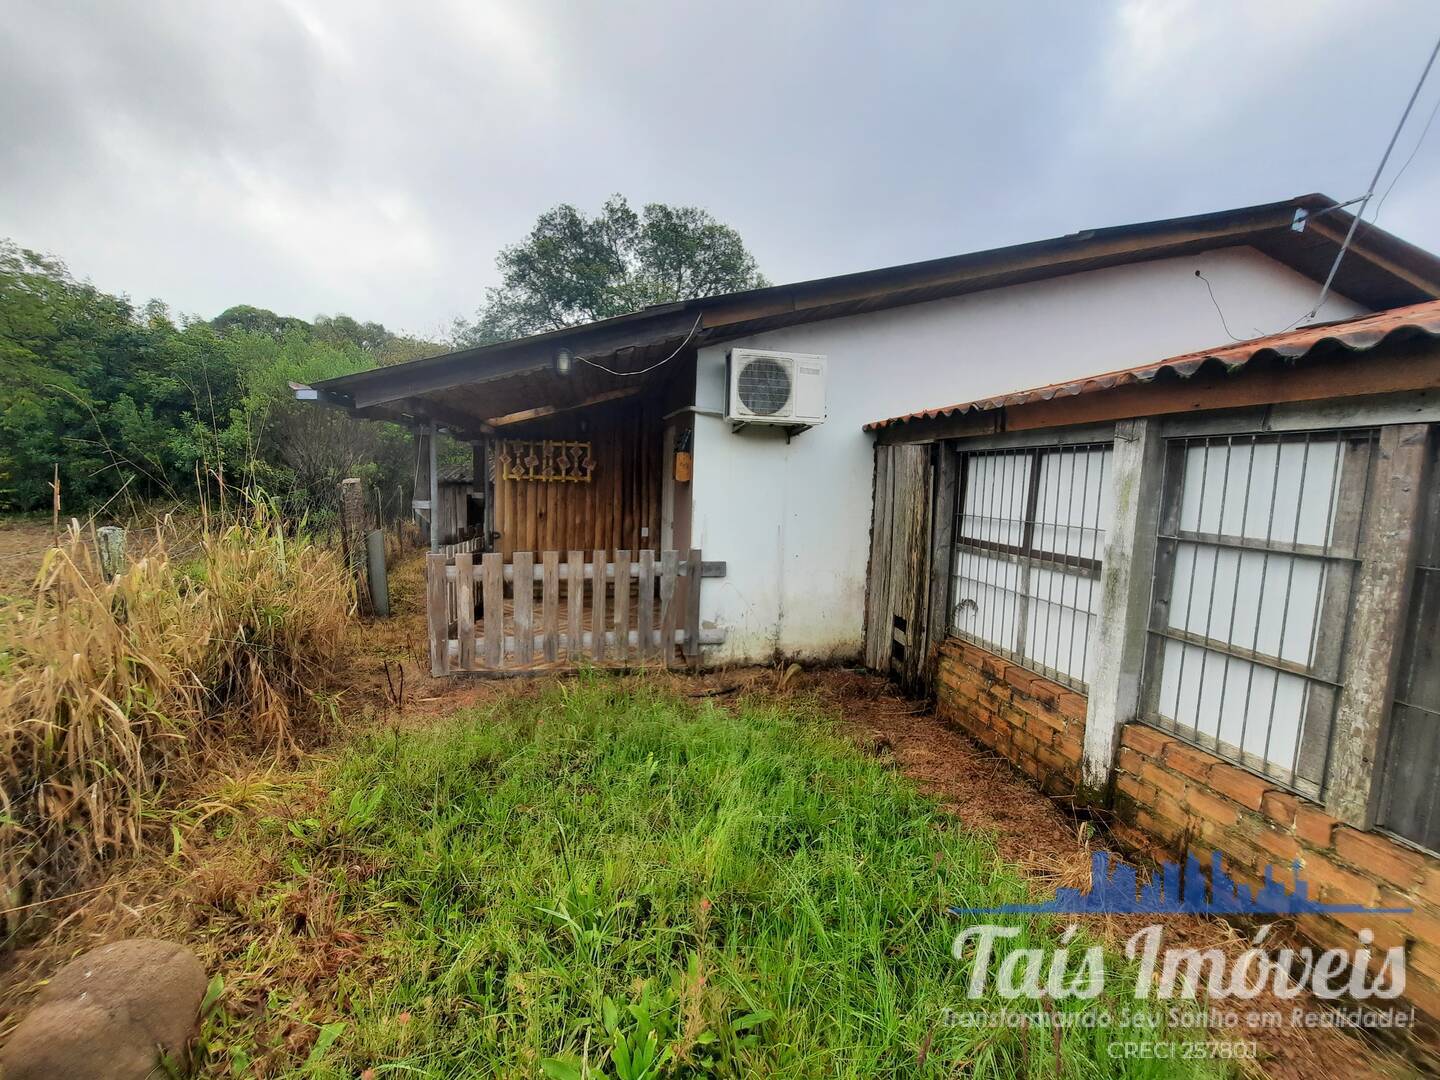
[116, 398]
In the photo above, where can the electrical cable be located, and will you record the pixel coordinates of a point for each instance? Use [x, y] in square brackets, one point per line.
[652, 367]
[1211, 291]
[1375, 180]
[1415, 150]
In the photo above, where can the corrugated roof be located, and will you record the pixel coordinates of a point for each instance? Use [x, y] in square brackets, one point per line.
[1358, 335]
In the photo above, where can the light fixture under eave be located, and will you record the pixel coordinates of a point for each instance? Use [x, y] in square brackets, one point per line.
[563, 362]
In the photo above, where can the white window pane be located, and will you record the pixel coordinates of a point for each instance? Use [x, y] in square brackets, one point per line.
[995, 492]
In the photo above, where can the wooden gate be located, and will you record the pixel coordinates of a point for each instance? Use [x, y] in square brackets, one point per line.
[484, 614]
[897, 595]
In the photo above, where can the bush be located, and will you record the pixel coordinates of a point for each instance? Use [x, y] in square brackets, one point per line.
[113, 692]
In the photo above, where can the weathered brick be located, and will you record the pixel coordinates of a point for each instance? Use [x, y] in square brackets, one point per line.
[1166, 780]
[1214, 810]
[1390, 930]
[1164, 828]
[1314, 827]
[1072, 705]
[1378, 856]
[1141, 793]
[1186, 759]
[1129, 761]
[1336, 884]
[1045, 691]
[1280, 845]
[1049, 717]
[1429, 886]
[993, 665]
[1279, 807]
[1243, 787]
[1070, 744]
[1144, 740]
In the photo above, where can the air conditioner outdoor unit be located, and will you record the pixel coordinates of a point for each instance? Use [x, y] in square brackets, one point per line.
[763, 387]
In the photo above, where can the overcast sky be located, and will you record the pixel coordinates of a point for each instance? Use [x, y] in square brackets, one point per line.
[371, 157]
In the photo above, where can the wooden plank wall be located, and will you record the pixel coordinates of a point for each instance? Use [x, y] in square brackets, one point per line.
[610, 511]
[897, 596]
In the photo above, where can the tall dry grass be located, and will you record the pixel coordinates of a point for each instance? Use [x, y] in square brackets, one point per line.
[110, 693]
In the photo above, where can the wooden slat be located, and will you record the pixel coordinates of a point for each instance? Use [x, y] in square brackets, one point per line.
[524, 592]
[669, 609]
[465, 609]
[493, 564]
[622, 605]
[597, 606]
[575, 603]
[645, 614]
[550, 605]
[437, 614]
[692, 607]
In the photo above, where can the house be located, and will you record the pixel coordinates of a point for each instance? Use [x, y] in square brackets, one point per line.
[614, 437]
[1203, 595]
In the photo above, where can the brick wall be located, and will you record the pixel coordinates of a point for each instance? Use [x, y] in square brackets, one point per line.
[1171, 798]
[1035, 723]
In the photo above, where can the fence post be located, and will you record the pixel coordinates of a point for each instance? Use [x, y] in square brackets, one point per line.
[1123, 615]
[352, 535]
[375, 562]
[110, 545]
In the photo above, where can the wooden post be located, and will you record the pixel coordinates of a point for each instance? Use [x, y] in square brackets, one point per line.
[645, 614]
[1377, 621]
[692, 608]
[669, 609]
[942, 550]
[574, 604]
[110, 546]
[597, 605]
[465, 609]
[550, 604]
[493, 565]
[523, 590]
[622, 605]
[437, 615]
[1117, 653]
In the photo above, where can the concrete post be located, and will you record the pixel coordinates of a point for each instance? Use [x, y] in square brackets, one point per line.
[1123, 615]
[352, 534]
[110, 545]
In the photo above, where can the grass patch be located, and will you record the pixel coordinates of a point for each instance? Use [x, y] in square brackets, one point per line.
[606, 880]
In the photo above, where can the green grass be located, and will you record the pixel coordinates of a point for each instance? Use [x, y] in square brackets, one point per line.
[570, 882]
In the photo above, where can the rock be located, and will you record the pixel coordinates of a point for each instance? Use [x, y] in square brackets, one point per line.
[109, 1015]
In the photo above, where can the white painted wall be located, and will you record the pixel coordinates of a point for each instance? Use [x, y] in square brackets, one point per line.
[792, 522]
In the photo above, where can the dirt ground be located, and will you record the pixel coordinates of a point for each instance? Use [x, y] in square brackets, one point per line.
[390, 687]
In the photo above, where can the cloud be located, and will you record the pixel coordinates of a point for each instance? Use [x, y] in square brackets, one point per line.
[359, 157]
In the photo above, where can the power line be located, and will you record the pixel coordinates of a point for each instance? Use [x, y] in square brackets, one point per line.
[1414, 150]
[652, 367]
[1374, 180]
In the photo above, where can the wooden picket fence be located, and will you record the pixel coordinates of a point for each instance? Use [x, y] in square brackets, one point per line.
[618, 610]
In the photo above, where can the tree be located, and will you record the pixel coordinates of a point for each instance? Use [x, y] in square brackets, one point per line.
[574, 269]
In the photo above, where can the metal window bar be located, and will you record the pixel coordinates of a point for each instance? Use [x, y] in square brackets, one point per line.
[1255, 564]
[1029, 534]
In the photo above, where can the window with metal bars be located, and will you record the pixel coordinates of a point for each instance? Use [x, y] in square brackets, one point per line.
[1256, 558]
[1409, 796]
[1029, 537]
